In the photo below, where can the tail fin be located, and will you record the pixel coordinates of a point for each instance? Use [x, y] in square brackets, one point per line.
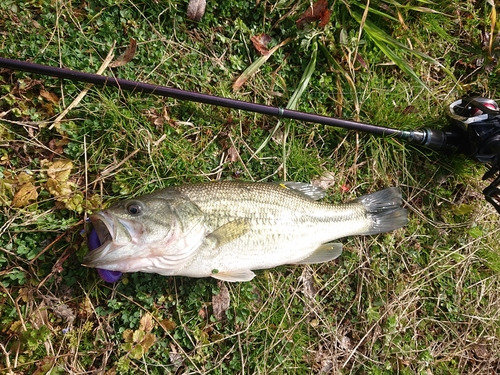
[384, 208]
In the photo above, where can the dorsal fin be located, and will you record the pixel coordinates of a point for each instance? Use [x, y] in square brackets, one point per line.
[305, 190]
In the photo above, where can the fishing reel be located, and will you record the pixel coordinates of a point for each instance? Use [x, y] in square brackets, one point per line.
[478, 123]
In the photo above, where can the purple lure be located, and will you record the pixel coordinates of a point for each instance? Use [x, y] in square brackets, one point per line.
[106, 275]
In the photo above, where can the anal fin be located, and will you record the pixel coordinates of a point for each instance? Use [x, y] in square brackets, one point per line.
[324, 253]
[233, 276]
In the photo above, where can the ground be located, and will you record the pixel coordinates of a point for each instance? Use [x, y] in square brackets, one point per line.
[421, 300]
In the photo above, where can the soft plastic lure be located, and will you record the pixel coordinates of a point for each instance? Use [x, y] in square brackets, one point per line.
[106, 275]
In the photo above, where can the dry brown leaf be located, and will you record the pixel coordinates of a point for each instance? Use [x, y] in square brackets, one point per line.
[232, 154]
[159, 119]
[56, 145]
[128, 335]
[59, 170]
[255, 66]
[65, 312]
[260, 43]
[126, 56]
[148, 341]
[49, 96]
[60, 190]
[221, 301]
[324, 181]
[316, 12]
[25, 195]
[6, 192]
[146, 323]
[168, 325]
[24, 177]
[481, 351]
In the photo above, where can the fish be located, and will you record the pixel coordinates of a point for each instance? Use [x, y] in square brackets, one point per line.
[228, 229]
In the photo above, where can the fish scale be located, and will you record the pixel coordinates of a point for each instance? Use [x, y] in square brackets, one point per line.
[227, 229]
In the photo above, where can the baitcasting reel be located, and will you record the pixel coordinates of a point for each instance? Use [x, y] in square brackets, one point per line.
[478, 121]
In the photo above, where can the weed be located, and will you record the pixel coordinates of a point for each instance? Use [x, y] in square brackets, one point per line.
[420, 300]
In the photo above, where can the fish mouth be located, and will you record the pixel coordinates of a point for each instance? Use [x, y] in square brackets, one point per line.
[104, 229]
[113, 234]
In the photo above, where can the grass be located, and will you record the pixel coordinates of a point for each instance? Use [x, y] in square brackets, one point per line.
[422, 300]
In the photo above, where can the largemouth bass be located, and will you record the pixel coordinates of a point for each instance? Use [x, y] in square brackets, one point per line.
[227, 229]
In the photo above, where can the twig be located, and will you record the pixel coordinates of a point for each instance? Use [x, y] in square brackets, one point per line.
[7, 360]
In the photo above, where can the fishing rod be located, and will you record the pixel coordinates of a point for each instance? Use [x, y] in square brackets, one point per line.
[476, 120]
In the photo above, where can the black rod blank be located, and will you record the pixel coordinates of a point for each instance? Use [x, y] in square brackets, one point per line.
[142, 87]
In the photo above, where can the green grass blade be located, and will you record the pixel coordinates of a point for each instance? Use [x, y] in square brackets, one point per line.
[304, 80]
[400, 62]
[255, 66]
[294, 99]
[388, 45]
[346, 75]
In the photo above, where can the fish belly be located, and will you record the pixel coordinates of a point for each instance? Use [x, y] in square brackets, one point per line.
[270, 245]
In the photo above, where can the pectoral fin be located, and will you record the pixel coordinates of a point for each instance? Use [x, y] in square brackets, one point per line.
[324, 253]
[229, 232]
[233, 276]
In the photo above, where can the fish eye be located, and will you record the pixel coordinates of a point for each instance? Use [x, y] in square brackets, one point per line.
[134, 208]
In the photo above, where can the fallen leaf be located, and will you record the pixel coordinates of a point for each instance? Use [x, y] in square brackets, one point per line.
[324, 181]
[65, 312]
[481, 351]
[75, 203]
[24, 178]
[6, 192]
[159, 119]
[59, 190]
[128, 335]
[410, 109]
[260, 43]
[49, 96]
[202, 313]
[25, 195]
[462, 209]
[255, 66]
[221, 301]
[176, 360]
[148, 341]
[137, 351]
[59, 170]
[146, 323]
[138, 335]
[361, 61]
[232, 154]
[196, 9]
[56, 145]
[44, 366]
[168, 325]
[316, 12]
[126, 56]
